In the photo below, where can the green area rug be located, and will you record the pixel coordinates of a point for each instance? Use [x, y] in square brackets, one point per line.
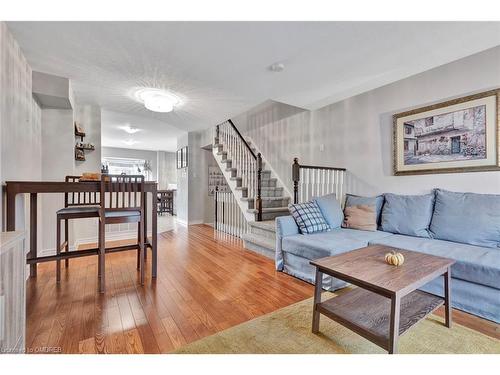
[288, 330]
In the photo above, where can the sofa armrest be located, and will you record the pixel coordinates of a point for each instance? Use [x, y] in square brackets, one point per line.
[285, 226]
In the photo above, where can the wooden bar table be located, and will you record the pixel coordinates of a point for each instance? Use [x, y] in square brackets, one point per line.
[12, 188]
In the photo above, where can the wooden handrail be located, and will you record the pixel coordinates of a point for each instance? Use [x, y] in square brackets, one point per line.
[257, 158]
[296, 162]
[242, 139]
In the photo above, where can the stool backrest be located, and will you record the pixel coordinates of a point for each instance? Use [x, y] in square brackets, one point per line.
[80, 198]
[122, 192]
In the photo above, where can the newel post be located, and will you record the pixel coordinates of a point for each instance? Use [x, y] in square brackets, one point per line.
[258, 199]
[215, 210]
[296, 179]
[216, 140]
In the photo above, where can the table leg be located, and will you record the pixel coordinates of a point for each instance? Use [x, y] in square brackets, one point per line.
[145, 233]
[33, 232]
[154, 234]
[447, 297]
[317, 300]
[394, 328]
[11, 210]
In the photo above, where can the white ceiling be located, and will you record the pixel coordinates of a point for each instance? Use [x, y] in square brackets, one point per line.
[220, 68]
[153, 135]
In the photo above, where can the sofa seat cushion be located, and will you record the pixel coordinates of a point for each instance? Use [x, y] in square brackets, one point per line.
[480, 265]
[324, 244]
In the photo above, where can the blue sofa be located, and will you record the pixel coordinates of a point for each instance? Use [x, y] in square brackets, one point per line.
[460, 226]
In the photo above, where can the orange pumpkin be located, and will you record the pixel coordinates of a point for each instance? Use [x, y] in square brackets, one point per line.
[394, 259]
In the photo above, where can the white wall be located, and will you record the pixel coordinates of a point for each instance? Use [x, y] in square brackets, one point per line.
[357, 133]
[167, 169]
[89, 117]
[182, 185]
[57, 162]
[20, 123]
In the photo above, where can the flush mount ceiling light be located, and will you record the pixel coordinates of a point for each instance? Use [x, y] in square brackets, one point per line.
[277, 67]
[129, 129]
[157, 100]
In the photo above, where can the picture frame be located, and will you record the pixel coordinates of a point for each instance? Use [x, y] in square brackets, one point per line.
[459, 135]
[217, 180]
[182, 157]
[179, 159]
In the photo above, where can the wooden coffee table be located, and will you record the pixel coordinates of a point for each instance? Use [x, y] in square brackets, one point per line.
[387, 302]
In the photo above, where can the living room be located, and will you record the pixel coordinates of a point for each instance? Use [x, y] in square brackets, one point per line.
[258, 187]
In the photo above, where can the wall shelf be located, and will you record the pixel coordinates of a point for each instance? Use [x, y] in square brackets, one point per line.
[81, 148]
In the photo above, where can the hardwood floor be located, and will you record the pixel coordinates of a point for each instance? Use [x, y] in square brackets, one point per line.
[206, 282]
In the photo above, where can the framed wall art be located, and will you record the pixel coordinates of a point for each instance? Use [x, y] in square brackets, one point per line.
[182, 157]
[460, 135]
[216, 179]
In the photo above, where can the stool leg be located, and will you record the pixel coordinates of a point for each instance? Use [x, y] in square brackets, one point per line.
[58, 250]
[143, 252]
[66, 238]
[102, 252]
[139, 242]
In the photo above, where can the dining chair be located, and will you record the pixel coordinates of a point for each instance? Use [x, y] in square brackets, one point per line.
[122, 201]
[76, 206]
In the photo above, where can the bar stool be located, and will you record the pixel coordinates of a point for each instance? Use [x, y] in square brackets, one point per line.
[76, 206]
[122, 201]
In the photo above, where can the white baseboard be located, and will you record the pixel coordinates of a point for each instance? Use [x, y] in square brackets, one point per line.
[181, 222]
[194, 222]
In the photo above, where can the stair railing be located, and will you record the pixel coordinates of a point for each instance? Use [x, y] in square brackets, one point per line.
[248, 164]
[228, 216]
[312, 180]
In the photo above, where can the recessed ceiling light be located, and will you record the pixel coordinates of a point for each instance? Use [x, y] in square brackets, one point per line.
[277, 67]
[129, 129]
[130, 142]
[157, 100]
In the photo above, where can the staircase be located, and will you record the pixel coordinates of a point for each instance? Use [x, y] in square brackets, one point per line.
[241, 163]
[262, 237]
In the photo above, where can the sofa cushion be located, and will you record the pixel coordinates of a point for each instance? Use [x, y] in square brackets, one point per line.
[467, 217]
[407, 214]
[361, 217]
[331, 210]
[308, 217]
[475, 264]
[336, 241]
[356, 200]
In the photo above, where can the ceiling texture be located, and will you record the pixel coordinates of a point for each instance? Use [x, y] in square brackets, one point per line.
[221, 69]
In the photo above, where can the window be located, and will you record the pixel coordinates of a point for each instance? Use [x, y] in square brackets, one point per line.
[129, 166]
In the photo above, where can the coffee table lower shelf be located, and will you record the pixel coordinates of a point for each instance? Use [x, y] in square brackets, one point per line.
[369, 314]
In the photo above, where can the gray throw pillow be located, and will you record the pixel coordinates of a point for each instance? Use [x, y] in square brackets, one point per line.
[408, 214]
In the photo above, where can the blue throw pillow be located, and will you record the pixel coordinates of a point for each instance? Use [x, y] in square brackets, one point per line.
[467, 218]
[308, 217]
[331, 210]
[408, 214]
[356, 200]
